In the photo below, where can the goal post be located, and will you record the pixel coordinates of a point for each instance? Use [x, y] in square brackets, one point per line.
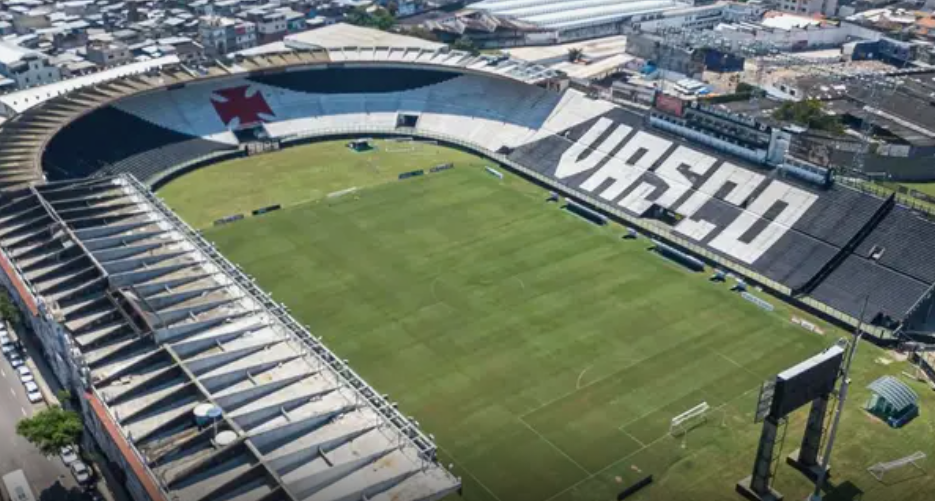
[684, 422]
[879, 469]
[399, 145]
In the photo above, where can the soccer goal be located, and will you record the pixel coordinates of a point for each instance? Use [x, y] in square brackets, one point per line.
[400, 145]
[684, 422]
[879, 469]
[420, 147]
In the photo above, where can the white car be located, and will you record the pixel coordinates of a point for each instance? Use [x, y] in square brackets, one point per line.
[5, 338]
[81, 472]
[7, 348]
[34, 397]
[16, 361]
[68, 455]
[25, 375]
[33, 393]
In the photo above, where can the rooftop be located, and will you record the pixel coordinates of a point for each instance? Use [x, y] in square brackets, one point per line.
[11, 53]
[22, 100]
[345, 35]
[574, 13]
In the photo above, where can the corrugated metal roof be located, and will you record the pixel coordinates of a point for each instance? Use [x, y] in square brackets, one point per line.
[161, 324]
[894, 391]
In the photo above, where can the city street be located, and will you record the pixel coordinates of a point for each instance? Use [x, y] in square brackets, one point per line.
[50, 479]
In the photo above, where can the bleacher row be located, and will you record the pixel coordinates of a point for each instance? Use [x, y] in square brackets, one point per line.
[815, 246]
[491, 113]
[798, 236]
[111, 141]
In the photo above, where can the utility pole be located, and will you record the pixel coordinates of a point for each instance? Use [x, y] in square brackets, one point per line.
[842, 396]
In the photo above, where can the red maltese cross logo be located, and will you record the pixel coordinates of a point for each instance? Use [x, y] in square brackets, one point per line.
[244, 104]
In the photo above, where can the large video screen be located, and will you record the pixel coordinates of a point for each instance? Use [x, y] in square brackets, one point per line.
[806, 381]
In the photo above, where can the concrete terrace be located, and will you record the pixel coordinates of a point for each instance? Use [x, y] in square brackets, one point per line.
[164, 324]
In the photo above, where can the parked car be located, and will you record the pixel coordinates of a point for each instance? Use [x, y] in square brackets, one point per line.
[7, 348]
[69, 455]
[25, 375]
[81, 472]
[16, 360]
[33, 393]
[5, 338]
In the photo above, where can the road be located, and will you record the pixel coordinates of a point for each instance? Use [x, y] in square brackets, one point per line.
[50, 479]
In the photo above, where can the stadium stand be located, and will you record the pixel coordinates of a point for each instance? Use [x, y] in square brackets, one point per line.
[898, 240]
[354, 80]
[155, 324]
[165, 326]
[887, 292]
[86, 146]
[789, 235]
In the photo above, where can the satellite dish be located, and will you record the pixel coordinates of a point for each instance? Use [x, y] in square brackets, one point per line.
[225, 438]
[206, 413]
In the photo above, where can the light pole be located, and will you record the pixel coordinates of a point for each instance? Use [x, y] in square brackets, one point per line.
[842, 396]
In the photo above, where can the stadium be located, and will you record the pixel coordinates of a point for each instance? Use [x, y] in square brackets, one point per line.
[510, 351]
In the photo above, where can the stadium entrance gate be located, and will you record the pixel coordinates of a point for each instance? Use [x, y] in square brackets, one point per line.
[811, 381]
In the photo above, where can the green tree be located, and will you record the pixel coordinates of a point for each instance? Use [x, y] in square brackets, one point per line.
[744, 88]
[466, 44]
[421, 32]
[809, 112]
[574, 54]
[51, 429]
[63, 395]
[8, 310]
[378, 18]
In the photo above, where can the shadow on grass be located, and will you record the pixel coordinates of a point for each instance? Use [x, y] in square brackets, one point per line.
[845, 491]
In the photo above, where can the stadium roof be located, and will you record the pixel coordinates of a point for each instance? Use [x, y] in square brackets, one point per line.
[168, 332]
[566, 14]
[24, 99]
[342, 35]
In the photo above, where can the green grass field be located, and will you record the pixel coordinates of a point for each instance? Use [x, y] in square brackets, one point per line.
[546, 355]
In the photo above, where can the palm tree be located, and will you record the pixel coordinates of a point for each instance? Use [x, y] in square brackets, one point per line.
[574, 54]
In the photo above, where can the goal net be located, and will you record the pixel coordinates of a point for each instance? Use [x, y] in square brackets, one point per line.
[399, 145]
[410, 145]
[689, 419]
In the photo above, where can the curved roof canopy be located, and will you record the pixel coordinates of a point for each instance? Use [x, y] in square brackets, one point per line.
[894, 391]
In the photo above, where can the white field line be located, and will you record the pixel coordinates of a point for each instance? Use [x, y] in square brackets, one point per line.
[566, 456]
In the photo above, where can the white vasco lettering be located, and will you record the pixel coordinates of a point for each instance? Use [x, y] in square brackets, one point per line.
[569, 164]
[745, 183]
[677, 184]
[797, 202]
[625, 174]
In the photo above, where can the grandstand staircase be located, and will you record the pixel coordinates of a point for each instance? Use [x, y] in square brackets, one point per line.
[848, 248]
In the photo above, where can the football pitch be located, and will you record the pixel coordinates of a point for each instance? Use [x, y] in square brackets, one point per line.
[545, 354]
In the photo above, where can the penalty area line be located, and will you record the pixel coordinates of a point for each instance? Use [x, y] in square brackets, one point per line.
[557, 449]
[641, 449]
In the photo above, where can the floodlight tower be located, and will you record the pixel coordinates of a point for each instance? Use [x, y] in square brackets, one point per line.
[842, 397]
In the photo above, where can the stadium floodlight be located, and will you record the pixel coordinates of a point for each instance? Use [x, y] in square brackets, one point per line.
[842, 397]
